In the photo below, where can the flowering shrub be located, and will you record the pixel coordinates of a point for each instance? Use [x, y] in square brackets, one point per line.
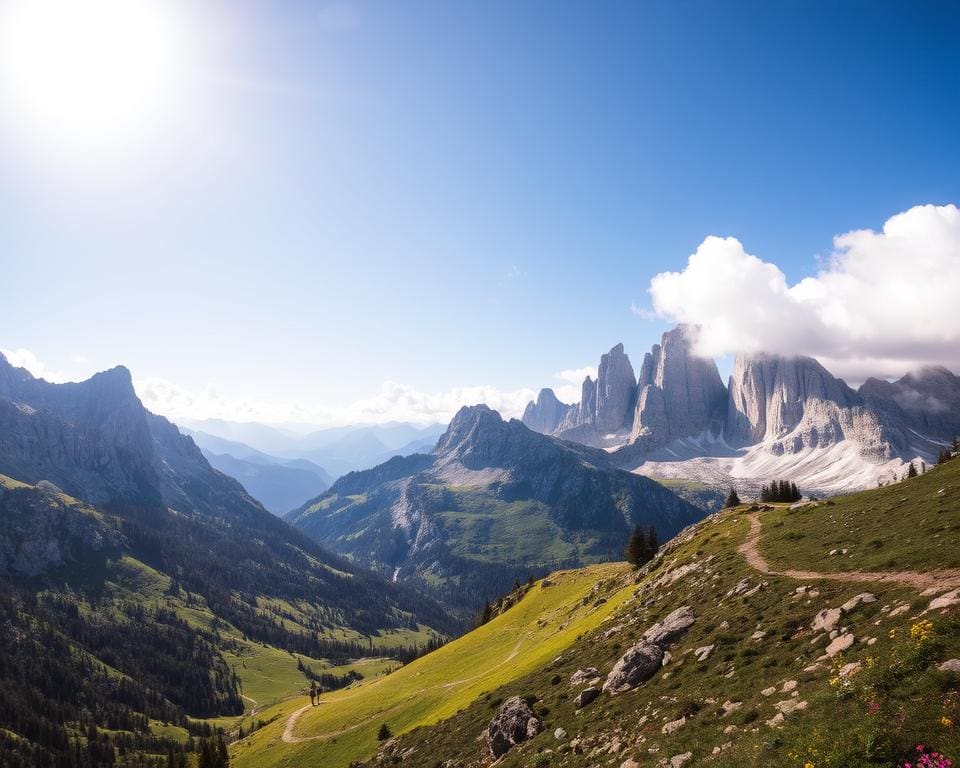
[927, 758]
[922, 631]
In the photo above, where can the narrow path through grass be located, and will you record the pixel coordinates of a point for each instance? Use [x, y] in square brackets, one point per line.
[941, 580]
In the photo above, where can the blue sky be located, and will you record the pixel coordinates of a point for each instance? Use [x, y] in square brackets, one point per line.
[446, 195]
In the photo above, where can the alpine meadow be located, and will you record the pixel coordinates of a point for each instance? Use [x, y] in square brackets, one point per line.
[530, 385]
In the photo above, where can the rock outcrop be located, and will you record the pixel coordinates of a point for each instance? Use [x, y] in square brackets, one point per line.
[774, 411]
[636, 666]
[513, 724]
[616, 392]
[680, 394]
[791, 404]
[545, 414]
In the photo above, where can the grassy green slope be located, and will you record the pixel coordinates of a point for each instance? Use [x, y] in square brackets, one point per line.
[765, 653]
[910, 525]
[542, 625]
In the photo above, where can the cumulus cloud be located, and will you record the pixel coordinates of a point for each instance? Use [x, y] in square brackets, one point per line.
[884, 303]
[571, 389]
[24, 358]
[393, 402]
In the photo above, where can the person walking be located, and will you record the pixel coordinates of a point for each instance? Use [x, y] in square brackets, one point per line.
[313, 693]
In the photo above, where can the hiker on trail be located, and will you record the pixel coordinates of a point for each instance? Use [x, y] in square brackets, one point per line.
[313, 693]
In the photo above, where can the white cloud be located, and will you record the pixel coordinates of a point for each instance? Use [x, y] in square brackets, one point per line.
[393, 402]
[885, 303]
[571, 389]
[24, 358]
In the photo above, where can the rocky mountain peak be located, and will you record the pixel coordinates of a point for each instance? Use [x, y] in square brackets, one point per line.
[615, 391]
[468, 426]
[679, 393]
[546, 412]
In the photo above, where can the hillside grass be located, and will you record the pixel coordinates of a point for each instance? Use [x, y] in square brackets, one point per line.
[910, 525]
[875, 718]
[543, 624]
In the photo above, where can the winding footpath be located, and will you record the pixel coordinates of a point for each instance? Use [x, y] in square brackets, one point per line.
[289, 738]
[939, 580]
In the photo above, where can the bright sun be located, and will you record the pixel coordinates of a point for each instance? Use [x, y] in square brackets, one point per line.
[82, 71]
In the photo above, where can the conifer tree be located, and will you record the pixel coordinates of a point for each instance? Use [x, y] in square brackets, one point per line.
[732, 499]
[384, 733]
[911, 470]
[637, 551]
[653, 545]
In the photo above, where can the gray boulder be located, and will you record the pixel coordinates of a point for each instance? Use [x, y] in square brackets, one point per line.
[586, 696]
[670, 628]
[950, 665]
[584, 675]
[636, 666]
[513, 724]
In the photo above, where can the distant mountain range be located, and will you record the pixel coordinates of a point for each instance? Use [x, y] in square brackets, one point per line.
[494, 501]
[777, 416]
[279, 484]
[337, 450]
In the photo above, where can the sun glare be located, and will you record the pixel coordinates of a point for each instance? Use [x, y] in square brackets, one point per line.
[87, 71]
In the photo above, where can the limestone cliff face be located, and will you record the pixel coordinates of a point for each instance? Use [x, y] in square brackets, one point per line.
[545, 414]
[926, 401]
[616, 392]
[795, 403]
[680, 394]
[96, 441]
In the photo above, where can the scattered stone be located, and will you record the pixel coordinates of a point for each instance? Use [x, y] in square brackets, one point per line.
[724, 625]
[676, 761]
[629, 764]
[776, 721]
[673, 725]
[612, 631]
[839, 645]
[582, 676]
[513, 724]
[833, 552]
[667, 658]
[849, 670]
[857, 600]
[722, 747]
[559, 734]
[730, 706]
[670, 628]
[758, 635]
[945, 600]
[586, 696]
[703, 652]
[546, 583]
[790, 685]
[731, 729]
[769, 691]
[951, 665]
[790, 705]
[871, 641]
[739, 588]
[637, 665]
[899, 610]
[826, 620]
